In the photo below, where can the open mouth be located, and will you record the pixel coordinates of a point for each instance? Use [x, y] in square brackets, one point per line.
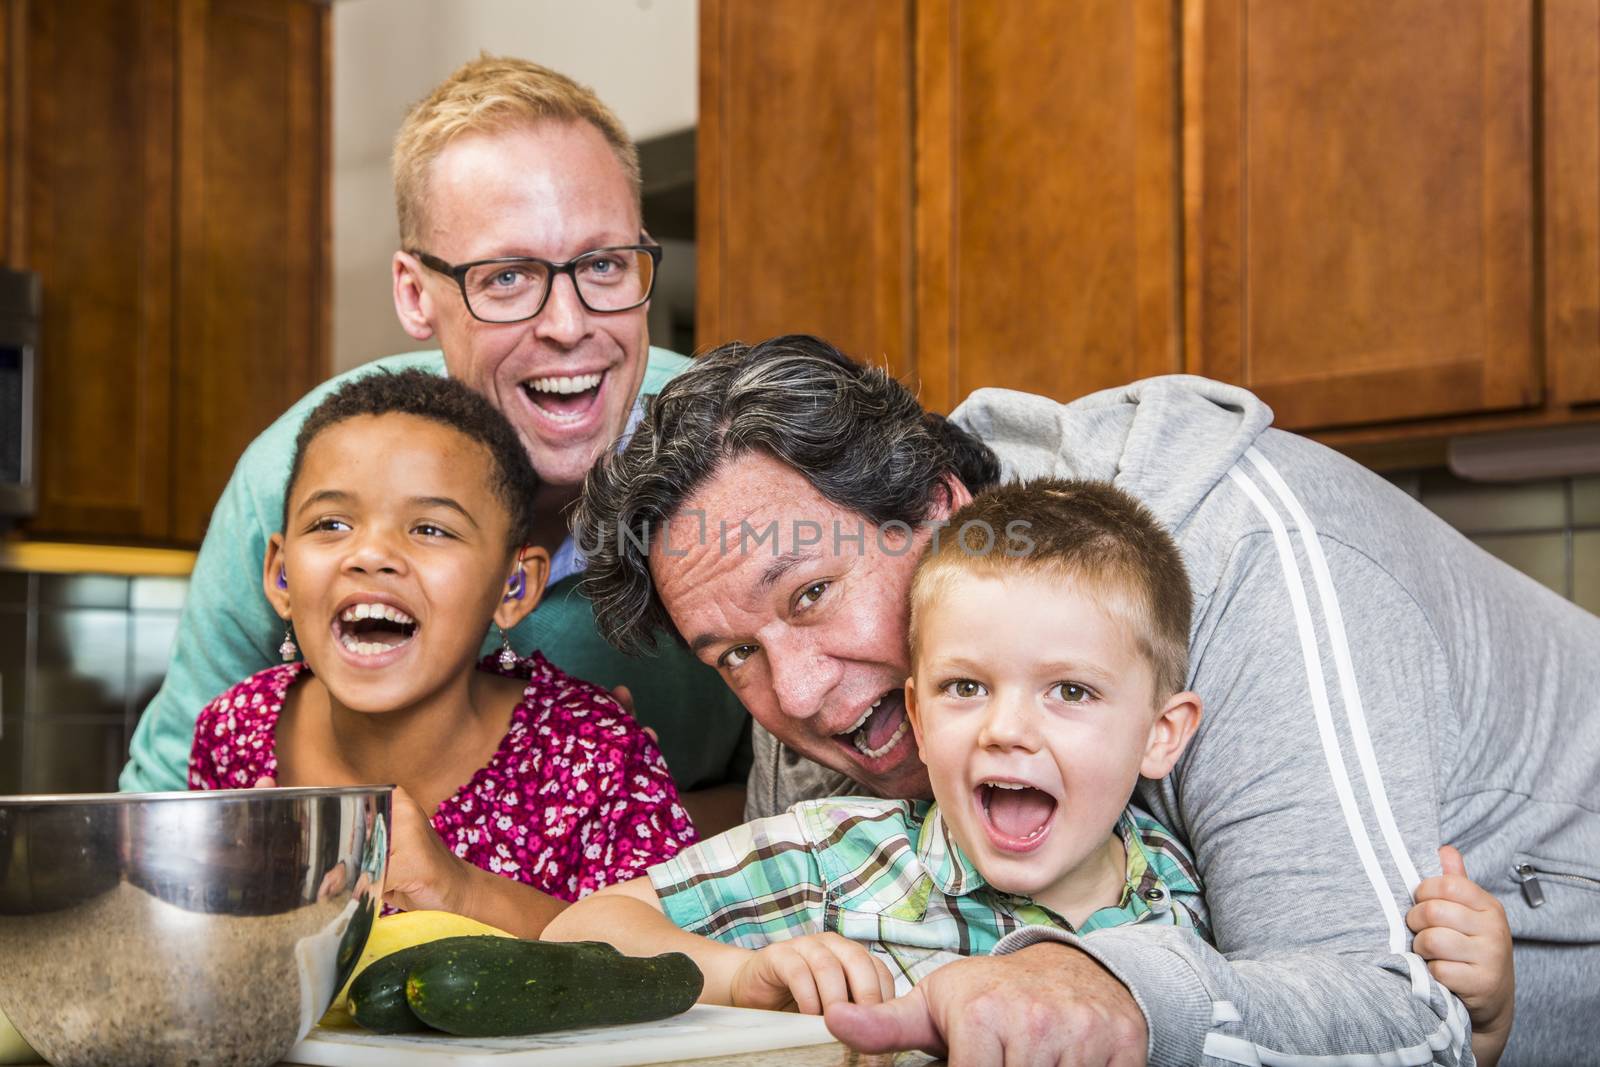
[1016, 815]
[880, 728]
[565, 398]
[372, 629]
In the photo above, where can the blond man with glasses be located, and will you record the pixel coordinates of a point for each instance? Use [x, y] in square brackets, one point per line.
[524, 259]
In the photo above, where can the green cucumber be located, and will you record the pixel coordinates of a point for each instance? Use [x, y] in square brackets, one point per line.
[499, 987]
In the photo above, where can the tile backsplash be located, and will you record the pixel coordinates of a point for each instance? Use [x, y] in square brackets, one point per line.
[80, 657]
[1549, 530]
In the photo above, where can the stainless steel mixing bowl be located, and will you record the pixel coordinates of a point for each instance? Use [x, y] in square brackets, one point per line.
[183, 928]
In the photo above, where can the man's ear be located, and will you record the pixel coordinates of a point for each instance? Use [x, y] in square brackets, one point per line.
[272, 574]
[911, 710]
[524, 586]
[1170, 733]
[413, 304]
[959, 496]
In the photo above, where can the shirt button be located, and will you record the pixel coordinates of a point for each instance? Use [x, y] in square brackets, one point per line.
[1154, 894]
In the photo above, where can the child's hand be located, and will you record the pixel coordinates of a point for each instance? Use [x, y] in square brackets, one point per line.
[1462, 932]
[809, 973]
[423, 875]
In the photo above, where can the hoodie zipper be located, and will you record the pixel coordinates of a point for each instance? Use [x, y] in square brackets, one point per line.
[1533, 891]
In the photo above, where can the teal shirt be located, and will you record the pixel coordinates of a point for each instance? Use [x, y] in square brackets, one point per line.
[229, 632]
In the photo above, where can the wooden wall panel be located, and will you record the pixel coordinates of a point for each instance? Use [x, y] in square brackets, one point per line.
[804, 174]
[1047, 196]
[252, 147]
[1360, 210]
[99, 209]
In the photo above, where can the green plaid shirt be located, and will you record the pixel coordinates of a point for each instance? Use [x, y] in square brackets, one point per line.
[888, 874]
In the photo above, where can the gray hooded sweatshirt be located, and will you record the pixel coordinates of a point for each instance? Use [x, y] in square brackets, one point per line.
[1374, 685]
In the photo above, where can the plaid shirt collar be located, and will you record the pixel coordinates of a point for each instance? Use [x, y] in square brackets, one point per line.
[1148, 886]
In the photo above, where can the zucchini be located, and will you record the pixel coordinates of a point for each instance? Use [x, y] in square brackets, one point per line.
[496, 987]
[377, 998]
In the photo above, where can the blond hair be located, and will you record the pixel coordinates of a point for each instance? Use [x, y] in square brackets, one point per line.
[486, 95]
[1086, 532]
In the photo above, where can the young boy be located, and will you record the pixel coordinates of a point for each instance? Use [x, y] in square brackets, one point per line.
[1049, 645]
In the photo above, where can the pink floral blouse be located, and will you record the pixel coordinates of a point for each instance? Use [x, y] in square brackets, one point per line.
[576, 797]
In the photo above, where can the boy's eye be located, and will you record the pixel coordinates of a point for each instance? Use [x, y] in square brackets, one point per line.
[736, 656]
[964, 688]
[329, 525]
[1072, 692]
[811, 594]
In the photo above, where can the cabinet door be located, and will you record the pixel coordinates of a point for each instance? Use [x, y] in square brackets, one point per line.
[1360, 205]
[1047, 196]
[252, 174]
[804, 174]
[94, 151]
[1572, 198]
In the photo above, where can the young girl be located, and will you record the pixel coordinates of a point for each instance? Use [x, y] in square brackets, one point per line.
[406, 520]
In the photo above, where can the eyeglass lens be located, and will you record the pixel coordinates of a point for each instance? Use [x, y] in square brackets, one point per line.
[607, 280]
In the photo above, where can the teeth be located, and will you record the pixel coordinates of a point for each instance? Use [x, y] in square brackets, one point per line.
[563, 385]
[364, 648]
[873, 753]
[859, 723]
[1006, 785]
[375, 611]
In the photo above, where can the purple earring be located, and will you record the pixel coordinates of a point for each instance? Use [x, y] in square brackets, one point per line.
[283, 578]
[516, 585]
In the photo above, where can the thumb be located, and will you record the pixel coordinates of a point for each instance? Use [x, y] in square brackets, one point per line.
[1451, 860]
[265, 782]
[903, 1023]
[624, 696]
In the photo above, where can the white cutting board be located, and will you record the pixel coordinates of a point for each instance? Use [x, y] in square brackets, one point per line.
[703, 1030]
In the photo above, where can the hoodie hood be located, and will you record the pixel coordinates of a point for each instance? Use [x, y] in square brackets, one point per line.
[1166, 440]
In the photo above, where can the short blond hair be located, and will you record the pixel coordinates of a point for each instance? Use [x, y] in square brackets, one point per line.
[485, 95]
[1085, 532]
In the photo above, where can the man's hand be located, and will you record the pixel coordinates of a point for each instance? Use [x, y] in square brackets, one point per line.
[809, 973]
[1462, 932]
[423, 875]
[1047, 1004]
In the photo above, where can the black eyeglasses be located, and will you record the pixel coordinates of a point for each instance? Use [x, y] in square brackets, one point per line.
[515, 288]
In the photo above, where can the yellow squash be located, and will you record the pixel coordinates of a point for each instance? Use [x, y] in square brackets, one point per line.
[12, 1048]
[391, 933]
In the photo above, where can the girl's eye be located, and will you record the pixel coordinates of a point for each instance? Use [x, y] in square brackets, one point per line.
[964, 688]
[329, 525]
[811, 594]
[736, 656]
[1072, 692]
[428, 529]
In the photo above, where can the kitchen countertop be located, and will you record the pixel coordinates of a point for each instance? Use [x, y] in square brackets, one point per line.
[834, 1055]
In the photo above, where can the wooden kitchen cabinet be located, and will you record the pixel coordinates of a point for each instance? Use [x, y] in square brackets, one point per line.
[1383, 217]
[166, 176]
[805, 221]
[1360, 206]
[1046, 176]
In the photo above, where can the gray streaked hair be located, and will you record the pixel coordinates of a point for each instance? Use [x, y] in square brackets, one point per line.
[857, 435]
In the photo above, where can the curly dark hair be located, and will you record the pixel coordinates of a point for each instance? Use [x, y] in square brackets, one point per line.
[857, 435]
[439, 399]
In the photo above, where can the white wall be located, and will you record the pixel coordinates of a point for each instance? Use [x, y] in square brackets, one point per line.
[639, 55]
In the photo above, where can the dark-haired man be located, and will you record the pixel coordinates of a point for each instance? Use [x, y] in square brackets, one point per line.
[1377, 686]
